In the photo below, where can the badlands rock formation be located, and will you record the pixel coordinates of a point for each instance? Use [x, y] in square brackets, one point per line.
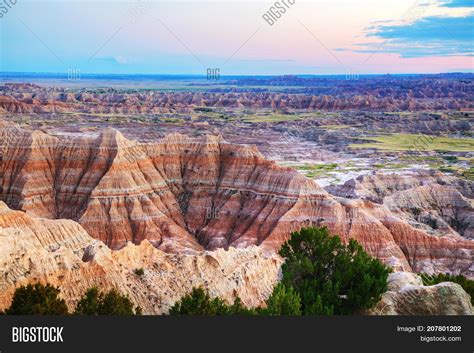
[407, 295]
[184, 196]
[438, 204]
[60, 252]
[378, 185]
[380, 94]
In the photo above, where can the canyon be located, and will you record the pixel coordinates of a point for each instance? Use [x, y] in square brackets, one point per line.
[185, 196]
[60, 252]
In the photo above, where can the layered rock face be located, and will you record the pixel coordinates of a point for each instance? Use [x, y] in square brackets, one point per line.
[184, 196]
[376, 186]
[438, 204]
[61, 253]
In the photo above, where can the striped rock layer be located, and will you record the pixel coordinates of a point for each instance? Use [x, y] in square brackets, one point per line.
[61, 253]
[185, 196]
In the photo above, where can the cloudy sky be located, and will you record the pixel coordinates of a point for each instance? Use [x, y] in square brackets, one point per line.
[188, 37]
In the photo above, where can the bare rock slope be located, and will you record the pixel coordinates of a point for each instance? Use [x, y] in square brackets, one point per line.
[61, 253]
[426, 199]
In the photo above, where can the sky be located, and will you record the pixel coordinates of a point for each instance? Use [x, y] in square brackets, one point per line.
[237, 37]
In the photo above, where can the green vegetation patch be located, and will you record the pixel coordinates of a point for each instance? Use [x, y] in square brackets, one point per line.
[199, 302]
[321, 276]
[469, 174]
[315, 170]
[404, 142]
[330, 277]
[272, 118]
[172, 120]
[203, 109]
[95, 302]
[391, 166]
[39, 299]
[139, 272]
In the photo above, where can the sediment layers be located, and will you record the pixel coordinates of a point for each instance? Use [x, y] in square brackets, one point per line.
[60, 252]
[184, 196]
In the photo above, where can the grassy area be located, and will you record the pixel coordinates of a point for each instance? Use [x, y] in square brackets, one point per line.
[172, 120]
[470, 160]
[272, 118]
[421, 159]
[315, 170]
[404, 142]
[469, 174]
[391, 166]
[211, 115]
[444, 163]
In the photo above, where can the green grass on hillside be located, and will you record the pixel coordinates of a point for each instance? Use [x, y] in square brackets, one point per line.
[404, 142]
[272, 118]
[315, 170]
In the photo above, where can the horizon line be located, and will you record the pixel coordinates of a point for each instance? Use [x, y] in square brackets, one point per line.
[233, 75]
